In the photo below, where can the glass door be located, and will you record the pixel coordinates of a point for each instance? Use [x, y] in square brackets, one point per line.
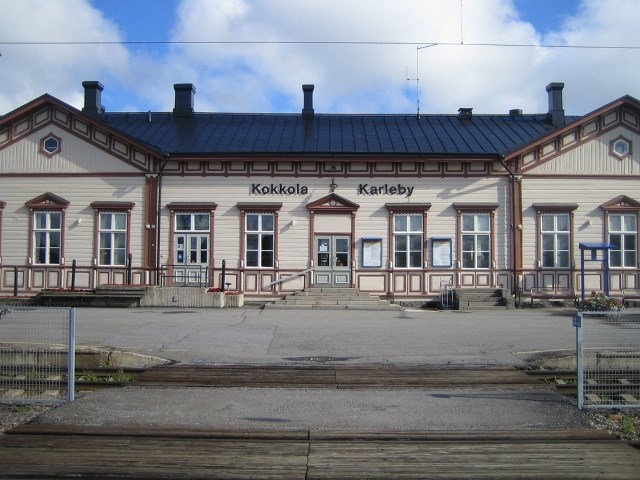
[191, 259]
[333, 259]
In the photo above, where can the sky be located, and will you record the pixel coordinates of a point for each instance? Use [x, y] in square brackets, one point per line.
[363, 56]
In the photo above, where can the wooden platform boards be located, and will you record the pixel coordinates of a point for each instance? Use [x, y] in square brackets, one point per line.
[333, 376]
[56, 451]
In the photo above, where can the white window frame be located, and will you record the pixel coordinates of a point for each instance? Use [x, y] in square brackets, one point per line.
[261, 234]
[624, 233]
[48, 232]
[476, 234]
[112, 232]
[406, 234]
[555, 234]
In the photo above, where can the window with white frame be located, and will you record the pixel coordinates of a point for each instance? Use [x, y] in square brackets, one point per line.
[623, 234]
[476, 240]
[192, 222]
[113, 238]
[47, 237]
[555, 240]
[260, 240]
[407, 240]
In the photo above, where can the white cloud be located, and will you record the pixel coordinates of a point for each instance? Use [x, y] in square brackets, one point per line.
[29, 71]
[348, 78]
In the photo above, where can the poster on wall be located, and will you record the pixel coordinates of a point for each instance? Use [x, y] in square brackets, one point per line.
[372, 252]
[441, 252]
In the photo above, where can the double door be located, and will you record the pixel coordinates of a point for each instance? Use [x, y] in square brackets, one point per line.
[332, 261]
[191, 260]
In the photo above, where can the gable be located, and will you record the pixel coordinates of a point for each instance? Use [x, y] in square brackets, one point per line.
[585, 147]
[85, 146]
[332, 203]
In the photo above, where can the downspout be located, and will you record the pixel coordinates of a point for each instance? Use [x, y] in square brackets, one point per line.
[514, 226]
[158, 220]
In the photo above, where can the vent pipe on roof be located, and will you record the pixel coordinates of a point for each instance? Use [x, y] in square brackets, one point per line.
[184, 99]
[556, 110]
[307, 110]
[93, 98]
[465, 113]
[515, 112]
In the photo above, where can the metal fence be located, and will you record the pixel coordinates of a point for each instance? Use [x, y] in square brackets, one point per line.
[608, 359]
[37, 354]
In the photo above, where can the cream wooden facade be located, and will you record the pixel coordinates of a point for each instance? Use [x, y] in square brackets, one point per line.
[91, 169]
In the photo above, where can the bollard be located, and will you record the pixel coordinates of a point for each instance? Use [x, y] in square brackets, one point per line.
[224, 272]
[129, 263]
[73, 274]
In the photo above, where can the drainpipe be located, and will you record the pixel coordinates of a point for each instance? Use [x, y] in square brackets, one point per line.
[514, 225]
[158, 210]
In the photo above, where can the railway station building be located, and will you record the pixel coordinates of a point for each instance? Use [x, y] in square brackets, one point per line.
[395, 205]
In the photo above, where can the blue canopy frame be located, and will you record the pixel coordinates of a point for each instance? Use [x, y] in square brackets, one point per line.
[594, 248]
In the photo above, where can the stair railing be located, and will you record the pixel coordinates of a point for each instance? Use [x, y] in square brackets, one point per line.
[292, 277]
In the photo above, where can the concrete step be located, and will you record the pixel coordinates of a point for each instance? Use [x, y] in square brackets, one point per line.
[333, 298]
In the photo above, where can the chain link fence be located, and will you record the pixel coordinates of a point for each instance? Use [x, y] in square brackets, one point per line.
[608, 359]
[37, 354]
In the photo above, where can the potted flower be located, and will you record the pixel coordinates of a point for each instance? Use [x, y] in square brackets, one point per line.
[599, 302]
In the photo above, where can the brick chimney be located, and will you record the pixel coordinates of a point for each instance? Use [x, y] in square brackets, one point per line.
[93, 98]
[307, 110]
[556, 110]
[184, 99]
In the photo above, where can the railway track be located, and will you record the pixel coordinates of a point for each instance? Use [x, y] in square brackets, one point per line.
[326, 376]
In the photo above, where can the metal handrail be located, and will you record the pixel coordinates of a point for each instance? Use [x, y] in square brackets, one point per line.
[289, 278]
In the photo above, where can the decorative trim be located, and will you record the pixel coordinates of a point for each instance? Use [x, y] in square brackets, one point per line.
[192, 206]
[48, 201]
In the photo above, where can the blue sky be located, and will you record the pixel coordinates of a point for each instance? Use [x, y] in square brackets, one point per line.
[461, 70]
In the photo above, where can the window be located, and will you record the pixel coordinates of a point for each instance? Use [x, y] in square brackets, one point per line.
[476, 240]
[192, 222]
[50, 145]
[407, 241]
[620, 147]
[623, 234]
[47, 236]
[113, 238]
[555, 240]
[260, 240]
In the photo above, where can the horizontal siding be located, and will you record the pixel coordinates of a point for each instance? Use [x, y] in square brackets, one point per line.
[76, 157]
[371, 217]
[80, 194]
[589, 194]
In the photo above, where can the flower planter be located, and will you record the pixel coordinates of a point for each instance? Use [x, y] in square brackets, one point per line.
[218, 299]
[235, 300]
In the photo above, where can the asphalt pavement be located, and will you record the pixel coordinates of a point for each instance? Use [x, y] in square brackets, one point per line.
[308, 337]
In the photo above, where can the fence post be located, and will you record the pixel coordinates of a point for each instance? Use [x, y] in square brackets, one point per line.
[73, 274]
[224, 273]
[129, 266]
[71, 359]
[15, 281]
[577, 323]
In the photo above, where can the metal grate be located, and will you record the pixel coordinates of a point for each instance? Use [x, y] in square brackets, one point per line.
[608, 359]
[37, 354]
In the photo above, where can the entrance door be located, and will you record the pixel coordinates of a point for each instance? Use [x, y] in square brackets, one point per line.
[191, 261]
[333, 259]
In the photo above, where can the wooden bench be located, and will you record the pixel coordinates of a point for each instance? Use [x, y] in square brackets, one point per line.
[553, 293]
[630, 294]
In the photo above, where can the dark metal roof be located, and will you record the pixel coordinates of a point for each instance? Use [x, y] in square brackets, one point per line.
[282, 134]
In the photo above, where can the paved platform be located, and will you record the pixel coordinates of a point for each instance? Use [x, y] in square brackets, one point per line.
[254, 336]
